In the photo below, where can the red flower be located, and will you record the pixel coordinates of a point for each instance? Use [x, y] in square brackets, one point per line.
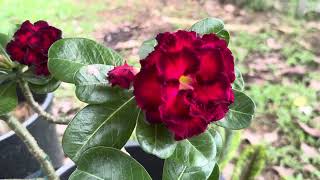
[31, 44]
[122, 76]
[185, 82]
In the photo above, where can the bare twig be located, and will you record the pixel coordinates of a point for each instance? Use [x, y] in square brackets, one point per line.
[36, 107]
[33, 147]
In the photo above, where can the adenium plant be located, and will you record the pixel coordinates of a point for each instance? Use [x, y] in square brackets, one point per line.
[186, 87]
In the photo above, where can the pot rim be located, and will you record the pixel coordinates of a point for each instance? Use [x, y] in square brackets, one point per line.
[33, 118]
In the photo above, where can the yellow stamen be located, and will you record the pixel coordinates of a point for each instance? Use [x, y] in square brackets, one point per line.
[185, 82]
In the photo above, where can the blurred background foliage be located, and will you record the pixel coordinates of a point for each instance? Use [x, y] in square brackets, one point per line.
[276, 45]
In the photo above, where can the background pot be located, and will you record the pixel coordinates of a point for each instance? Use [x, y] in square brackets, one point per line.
[151, 163]
[15, 159]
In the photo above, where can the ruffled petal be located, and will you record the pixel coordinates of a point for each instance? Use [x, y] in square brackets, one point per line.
[211, 64]
[34, 57]
[147, 89]
[211, 101]
[153, 116]
[228, 62]
[175, 115]
[214, 42]
[41, 69]
[40, 24]
[16, 51]
[173, 65]
[27, 25]
[175, 42]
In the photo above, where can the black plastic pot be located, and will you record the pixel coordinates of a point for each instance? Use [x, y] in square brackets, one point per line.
[151, 163]
[15, 159]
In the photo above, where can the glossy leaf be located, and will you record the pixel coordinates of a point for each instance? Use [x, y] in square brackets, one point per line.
[238, 84]
[109, 125]
[217, 140]
[215, 175]
[146, 48]
[34, 79]
[155, 139]
[103, 163]
[211, 25]
[4, 39]
[177, 171]
[51, 86]
[240, 113]
[68, 55]
[8, 97]
[196, 151]
[92, 85]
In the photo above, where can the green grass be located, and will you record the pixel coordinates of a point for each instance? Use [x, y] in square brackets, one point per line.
[74, 18]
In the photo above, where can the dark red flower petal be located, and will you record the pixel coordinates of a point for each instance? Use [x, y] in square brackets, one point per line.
[122, 76]
[23, 35]
[153, 116]
[16, 51]
[174, 65]
[147, 89]
[213, 41]
[228, 61]
[211, 64]
[54, 33]
[34, 57]
[175, 42]
[211, 101]
[40, 24]
[175, 115]
[41, 70]
[27, 25]
[151, 59]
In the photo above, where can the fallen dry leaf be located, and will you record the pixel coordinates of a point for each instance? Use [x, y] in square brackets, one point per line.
[312, 131]
[309, 151]
[273, 44]
[310, 168]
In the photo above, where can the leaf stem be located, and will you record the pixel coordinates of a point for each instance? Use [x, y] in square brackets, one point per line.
[33, 147]
[36, 107]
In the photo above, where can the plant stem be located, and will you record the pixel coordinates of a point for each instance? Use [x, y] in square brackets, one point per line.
[36, 107]
[33, 147]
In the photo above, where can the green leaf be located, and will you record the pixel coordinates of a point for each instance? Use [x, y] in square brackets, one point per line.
[240, 113]
[68, 55]
[102, 163]
[217, 139]
[93, 87]
[109, 124]
[238, 84]
[193, 158]
[34, 79]
[177, 171]
[196, 151]
[215, 175]
[211, 25]
[147, 47]
[8, 97]
[51, 86]
[4, 39]
[155, 139]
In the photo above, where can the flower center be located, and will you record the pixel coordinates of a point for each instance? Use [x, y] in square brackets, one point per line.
[185, 82]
